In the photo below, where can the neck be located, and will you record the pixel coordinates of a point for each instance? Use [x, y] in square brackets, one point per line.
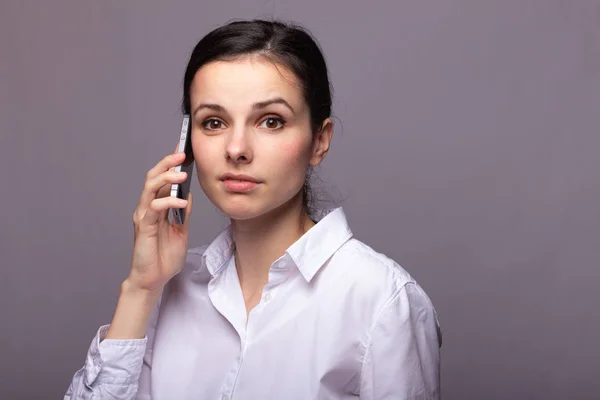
[262, 240]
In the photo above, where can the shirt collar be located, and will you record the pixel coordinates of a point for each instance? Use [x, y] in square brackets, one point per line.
[308, 254]
[315, 247]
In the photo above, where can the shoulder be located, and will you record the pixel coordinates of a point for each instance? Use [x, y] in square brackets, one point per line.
[394, 294]
[370, 268]
[358, 276]
[375, 278]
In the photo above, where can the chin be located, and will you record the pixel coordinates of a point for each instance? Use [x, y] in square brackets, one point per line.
[241, 208]
[241, 213]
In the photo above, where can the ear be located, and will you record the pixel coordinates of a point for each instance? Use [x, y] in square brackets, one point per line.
[321, 142]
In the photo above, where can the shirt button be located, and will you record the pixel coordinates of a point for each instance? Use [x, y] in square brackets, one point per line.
[224, 397]
[267, 296]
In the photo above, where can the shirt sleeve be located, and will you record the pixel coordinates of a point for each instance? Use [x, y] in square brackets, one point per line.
[115, 368]
[402, 353]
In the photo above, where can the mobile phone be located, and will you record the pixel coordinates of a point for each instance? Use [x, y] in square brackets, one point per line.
[182, 189]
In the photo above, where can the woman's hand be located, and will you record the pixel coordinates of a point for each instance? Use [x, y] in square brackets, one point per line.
[160, 247]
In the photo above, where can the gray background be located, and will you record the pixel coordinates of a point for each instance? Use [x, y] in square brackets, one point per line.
[467, 153]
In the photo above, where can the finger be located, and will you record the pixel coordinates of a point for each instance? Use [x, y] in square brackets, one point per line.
[159, 208]
[160, 186]
[164, 191]
[168, 162]
[175, 152]
[162, 166]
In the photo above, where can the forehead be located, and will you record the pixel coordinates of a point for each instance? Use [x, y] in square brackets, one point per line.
[245, 81]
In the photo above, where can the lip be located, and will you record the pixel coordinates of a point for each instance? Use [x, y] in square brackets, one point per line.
[238, 177]
[239, 183]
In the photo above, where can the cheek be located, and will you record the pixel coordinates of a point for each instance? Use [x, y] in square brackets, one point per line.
[293, 156]
[290, 164]
[205, 154]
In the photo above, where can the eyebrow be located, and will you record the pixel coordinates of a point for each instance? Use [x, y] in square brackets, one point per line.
[214, 107]
[277, 100]
[255, 106]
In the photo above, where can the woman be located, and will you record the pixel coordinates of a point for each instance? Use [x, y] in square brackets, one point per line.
[283, 304]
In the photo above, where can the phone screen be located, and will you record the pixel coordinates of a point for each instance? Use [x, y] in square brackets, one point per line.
[181, 190]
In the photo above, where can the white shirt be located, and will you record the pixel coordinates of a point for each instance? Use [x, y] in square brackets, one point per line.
[336, 320]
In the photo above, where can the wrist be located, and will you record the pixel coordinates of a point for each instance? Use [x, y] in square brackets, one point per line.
[133, 312]
[130, 289]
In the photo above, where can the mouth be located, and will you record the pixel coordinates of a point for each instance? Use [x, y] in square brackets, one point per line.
[239, 183]
[239, 177]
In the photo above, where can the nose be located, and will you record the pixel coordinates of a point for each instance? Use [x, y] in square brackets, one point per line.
[238, 149]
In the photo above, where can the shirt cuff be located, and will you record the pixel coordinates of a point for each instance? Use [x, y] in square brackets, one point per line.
[116, 361]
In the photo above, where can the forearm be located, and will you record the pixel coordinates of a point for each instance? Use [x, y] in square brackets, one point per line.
[132, 313]
[112, 367]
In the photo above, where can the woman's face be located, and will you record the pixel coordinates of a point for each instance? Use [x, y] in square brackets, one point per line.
[249, 118]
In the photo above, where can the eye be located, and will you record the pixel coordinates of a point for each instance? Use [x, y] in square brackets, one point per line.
[273, 123]
[213, 124]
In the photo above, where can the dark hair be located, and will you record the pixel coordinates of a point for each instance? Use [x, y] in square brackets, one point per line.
[286, 44]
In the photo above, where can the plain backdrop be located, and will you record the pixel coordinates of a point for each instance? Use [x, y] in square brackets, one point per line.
[466, 149]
